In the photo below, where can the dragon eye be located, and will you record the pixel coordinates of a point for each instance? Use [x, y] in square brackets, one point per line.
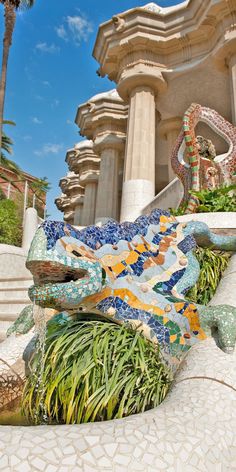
[76, 253]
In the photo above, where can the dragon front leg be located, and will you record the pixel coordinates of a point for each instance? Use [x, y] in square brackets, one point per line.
[223, 319]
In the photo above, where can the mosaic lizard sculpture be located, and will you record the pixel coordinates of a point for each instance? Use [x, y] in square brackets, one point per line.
[200, 170]
[130, 272]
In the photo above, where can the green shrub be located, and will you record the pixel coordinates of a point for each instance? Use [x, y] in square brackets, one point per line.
[219, 199]
[10, 224]
[94, 371]
[212, 265]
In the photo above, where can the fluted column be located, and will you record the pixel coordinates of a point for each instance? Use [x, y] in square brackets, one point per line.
[90, 194]
[109, 147]
[78, 214]
[169, 130]
[232, 71]
[85, 163]
[139, 172]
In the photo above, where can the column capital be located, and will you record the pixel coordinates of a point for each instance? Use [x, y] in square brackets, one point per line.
[171, 124]
[109, 141]
[70, 185]
[63, 202]
[70, 158]
[87, 163]
[141, 75]
[102, 113]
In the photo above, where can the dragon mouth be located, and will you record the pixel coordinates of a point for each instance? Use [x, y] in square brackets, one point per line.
[51, 282]
[54, 273]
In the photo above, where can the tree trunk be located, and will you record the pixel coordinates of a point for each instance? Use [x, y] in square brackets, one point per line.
[10, 18]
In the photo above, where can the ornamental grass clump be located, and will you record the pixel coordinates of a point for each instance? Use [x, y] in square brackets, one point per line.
[212, 265]
[94, 371]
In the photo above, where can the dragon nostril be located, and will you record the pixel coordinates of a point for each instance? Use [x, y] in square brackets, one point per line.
[77, 254]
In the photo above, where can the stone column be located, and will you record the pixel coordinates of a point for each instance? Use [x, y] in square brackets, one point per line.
[139, 171]
[109, 148]
[90, 194]
[78, 213]
[169, 130]
[104, 120]
[232, 71]
[85, 163]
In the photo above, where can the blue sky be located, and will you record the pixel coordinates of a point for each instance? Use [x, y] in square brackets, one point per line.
[51, 71]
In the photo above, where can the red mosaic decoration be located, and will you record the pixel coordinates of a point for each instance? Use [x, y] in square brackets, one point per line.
[201, 172]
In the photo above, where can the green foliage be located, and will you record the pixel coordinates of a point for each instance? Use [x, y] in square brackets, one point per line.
[10, 225]
[212, 265]
[178, 211]
[40, 186]
[218, 199]
[94, 371]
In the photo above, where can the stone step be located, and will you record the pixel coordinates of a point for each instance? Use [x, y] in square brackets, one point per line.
[15, 282]
[7, 317]
[4, 325]
[6, 320]
[17, 293]
[13, 306]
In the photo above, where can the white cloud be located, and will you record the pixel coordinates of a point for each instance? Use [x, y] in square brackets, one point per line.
[55, 103]
[61, 32]
[27, 137]
[69, 122]
[39, 97]
[49, 48]
[36, 121]
[46, 83]
[49, 149]
[78, 27]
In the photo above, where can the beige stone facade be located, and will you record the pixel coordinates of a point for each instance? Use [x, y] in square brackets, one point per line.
[161, 60]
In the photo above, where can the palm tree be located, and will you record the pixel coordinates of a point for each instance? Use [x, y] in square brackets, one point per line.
[5, 161]
[10, 8]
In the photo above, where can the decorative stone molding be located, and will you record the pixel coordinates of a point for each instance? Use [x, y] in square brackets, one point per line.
[153, 7]
[72, 199]
[63, 204]
[118, 22]
[175, 36]
[105, 113]
[86, 162]
[70, 185]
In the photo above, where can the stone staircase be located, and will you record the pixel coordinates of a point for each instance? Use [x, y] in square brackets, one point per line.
[13, 298]
[15, 280]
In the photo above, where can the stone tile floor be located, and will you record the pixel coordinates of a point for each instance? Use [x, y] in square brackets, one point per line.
[192, 431]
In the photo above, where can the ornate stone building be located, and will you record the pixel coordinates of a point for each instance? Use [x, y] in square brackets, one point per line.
[161, 60]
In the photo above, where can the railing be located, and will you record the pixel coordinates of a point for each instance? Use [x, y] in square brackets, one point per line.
[27, 186]
[169, 197]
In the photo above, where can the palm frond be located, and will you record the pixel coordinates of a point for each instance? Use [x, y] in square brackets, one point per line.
[24, 4]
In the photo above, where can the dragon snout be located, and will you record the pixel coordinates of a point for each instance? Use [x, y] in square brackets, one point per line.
[53, 272]
[55, 285]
